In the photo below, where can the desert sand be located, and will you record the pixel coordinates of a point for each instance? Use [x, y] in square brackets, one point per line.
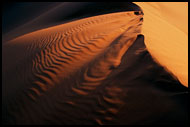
[114, 68]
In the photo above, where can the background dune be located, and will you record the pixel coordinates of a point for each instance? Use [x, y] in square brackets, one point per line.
[166, 30]
[100, 64]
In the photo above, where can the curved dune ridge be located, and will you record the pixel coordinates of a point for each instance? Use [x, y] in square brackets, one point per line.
[55, 13]
[50, 56]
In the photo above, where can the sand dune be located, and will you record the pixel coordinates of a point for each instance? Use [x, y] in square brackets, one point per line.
[92, 71]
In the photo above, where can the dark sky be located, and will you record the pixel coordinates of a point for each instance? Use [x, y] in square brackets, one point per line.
[17, 13]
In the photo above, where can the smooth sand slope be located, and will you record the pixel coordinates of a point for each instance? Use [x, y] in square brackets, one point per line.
[165, 29]
[95, 70]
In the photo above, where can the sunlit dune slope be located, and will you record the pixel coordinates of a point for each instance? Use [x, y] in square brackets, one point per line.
[165, 29]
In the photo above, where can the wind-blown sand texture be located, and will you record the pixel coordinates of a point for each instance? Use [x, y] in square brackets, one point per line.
[95, 70]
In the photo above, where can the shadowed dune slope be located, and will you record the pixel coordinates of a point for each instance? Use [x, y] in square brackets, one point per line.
[95, 70]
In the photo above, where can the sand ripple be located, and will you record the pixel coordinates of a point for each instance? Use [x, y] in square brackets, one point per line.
[90, 47]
